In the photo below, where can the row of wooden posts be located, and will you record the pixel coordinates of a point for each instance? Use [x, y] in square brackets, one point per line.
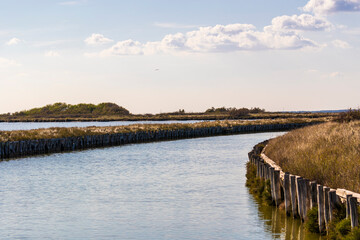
[299, 195]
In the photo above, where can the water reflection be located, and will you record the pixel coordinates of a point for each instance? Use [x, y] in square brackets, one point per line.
[281, 226]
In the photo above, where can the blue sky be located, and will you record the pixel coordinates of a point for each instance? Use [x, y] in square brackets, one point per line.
[158, 56]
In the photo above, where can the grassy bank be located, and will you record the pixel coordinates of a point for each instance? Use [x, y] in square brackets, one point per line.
[328, 153]
[87, 131]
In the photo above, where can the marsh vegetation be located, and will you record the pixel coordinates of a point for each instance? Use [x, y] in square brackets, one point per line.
[328, 153]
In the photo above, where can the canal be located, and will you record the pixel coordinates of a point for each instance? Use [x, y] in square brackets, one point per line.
[184, 189]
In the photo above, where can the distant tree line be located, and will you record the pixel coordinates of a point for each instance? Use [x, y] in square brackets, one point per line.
[82, 109]
[234, 112]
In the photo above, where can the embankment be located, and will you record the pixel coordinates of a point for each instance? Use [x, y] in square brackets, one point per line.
[26, 147]
[300, 197]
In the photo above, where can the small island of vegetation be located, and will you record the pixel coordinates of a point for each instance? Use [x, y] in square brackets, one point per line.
[62, 112]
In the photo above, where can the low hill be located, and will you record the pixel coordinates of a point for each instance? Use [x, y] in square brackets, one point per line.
[78, 110]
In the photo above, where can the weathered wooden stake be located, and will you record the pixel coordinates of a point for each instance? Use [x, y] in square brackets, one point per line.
[320, 200]
[313, 190]
[263, 170]
[305, 198]
[272, 183]
[348, 196]
[299, 197]
[277, 189]
[293, 194]
[326, 191]
[287, 194]
[332, 203]
[353, 212]
[308, 194]
[267, 171]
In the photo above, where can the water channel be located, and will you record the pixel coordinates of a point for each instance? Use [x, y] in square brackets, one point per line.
[9, 126]
[184, 189]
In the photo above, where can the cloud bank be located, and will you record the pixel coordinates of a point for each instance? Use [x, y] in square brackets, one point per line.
[284, 33]
[324, 7]
[219, 38]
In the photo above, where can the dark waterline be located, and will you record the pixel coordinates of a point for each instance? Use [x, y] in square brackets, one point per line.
[184, 189]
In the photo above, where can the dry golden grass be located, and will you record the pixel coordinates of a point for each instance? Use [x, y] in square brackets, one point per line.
[75, 131]
[328, 153]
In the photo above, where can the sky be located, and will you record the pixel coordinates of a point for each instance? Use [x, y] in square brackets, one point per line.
[162, 56]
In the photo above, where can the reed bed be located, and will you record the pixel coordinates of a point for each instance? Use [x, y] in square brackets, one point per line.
[48, 133]
[328, 153]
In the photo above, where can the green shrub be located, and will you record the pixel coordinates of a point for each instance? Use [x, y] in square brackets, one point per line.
[343, 227]
[312, 222]
[354, 235]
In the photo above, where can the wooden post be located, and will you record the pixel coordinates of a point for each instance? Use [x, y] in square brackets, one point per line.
[267, 173]
[299, 197]
[293, 194]
[348, 196]
[272, 183]
[326, 191]
[305, 198]
[353, 212]
[313, 190]
[277, 190]
[263, 170]
[332, 203]
[320, 200]
[308, 195]
[287, 197]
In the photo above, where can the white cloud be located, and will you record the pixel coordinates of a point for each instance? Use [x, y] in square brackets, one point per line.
[127, 47]
[303, 22]
[4, 63]
[340, 44]
[97, 39]
[51, 53]
[13, 41]
[219, 38]
[331, 6]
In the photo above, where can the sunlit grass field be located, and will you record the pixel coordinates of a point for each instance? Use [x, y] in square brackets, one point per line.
[328, 153]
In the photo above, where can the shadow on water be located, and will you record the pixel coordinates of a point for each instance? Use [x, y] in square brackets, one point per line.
[281, 226]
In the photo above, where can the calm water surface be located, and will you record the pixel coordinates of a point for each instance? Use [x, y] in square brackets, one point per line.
[8, 126]
[184, 189]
